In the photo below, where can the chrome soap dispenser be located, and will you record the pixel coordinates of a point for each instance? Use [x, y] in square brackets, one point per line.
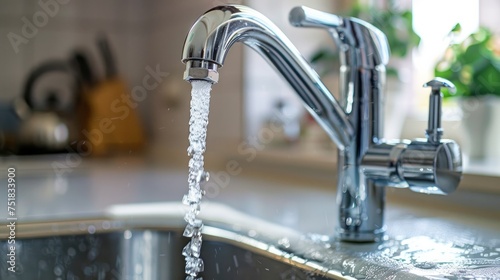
[433, 165]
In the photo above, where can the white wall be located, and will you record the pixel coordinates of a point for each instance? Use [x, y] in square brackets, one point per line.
[73, 25]
[141, 33]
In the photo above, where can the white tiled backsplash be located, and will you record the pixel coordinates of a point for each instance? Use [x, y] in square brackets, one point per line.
[141, 34]
[62, 27]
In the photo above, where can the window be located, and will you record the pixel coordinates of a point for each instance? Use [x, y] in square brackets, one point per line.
[433, 21]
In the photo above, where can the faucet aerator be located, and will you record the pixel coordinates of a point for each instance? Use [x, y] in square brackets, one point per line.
[209, 75]
[201, 70]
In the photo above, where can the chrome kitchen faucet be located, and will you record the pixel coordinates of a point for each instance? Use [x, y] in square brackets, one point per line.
[367, 163]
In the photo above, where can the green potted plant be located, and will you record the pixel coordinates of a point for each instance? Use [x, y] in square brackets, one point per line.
[473, 65]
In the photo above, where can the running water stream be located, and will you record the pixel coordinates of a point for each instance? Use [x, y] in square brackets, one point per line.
[200, 105]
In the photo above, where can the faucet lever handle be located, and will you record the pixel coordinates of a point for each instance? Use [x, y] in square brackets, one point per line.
[434, 130]
[306, 17]
[350, 33]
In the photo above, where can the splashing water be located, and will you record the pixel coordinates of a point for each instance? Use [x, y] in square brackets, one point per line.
[200, 102]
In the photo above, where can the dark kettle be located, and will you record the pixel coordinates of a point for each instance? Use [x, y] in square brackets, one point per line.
[48, 127]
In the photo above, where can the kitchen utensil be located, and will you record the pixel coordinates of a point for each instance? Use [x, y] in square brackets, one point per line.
[81, 62]
[112, 124]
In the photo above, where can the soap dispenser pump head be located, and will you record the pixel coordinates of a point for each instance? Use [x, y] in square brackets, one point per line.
[434, 130]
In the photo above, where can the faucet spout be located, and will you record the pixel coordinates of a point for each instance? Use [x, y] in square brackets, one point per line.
[213, 34]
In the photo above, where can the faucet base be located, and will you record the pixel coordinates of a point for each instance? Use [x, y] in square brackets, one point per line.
[359, 236]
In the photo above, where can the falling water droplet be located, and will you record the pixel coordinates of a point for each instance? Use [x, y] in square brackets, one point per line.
[190, 150]
[284, 242]
[425, 265]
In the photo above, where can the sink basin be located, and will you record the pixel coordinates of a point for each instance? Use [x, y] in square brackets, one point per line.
[144, 241]
[151, 253]
[149, 246]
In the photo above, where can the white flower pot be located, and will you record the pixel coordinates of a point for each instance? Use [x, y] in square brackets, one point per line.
[481, 126]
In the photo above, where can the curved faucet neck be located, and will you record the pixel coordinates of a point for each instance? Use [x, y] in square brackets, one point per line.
[213, 34]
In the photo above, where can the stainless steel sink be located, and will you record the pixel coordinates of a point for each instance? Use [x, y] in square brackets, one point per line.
[137, 247]
[145, 241]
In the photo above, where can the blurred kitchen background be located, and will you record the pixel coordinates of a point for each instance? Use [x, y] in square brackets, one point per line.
[104, 78]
